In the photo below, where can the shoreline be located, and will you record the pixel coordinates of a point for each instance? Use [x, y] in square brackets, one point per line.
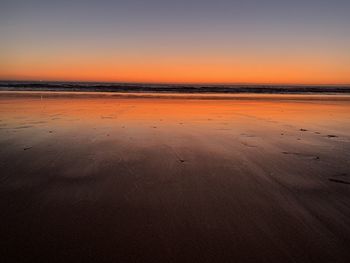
[154, 95]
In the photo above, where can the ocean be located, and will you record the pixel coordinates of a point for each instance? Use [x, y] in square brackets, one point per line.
[171, 88]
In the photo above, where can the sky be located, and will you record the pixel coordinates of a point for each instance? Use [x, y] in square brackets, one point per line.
[182, 41]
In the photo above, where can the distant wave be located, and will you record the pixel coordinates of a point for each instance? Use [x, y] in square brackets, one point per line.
[170, 88]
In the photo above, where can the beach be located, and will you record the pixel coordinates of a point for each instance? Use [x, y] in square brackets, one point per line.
[95, 177]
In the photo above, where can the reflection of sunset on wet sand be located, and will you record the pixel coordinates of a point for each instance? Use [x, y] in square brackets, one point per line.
[139, 178]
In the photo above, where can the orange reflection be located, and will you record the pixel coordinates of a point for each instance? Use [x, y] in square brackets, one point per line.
[115, 110]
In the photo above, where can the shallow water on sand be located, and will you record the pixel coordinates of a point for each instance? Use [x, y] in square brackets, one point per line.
[147, 178]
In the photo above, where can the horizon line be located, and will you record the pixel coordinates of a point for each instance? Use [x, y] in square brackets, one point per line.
[178, 83]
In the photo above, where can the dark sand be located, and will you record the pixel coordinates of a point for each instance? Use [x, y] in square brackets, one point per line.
[129, 179]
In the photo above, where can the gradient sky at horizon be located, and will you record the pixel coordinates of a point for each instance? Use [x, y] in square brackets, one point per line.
[300, 41]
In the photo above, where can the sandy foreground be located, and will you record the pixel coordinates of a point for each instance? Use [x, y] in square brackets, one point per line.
[123, 178]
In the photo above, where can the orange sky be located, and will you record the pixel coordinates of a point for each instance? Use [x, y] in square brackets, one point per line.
[191, 70]
[184, 42]
[177, 64]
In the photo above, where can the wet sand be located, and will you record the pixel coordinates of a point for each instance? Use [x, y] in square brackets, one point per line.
[102, 178]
